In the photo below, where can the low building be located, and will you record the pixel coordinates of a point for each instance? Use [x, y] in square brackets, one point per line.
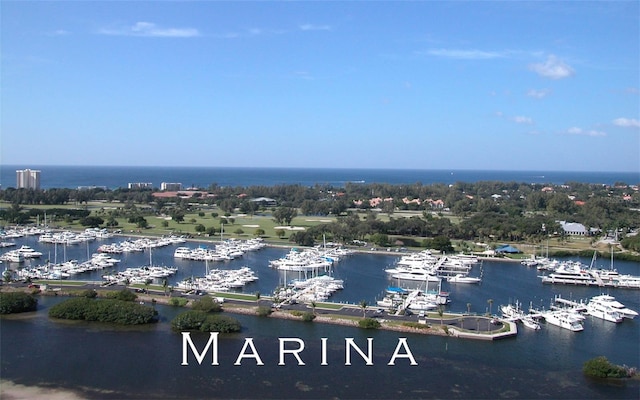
[574, 228]
[507, 249]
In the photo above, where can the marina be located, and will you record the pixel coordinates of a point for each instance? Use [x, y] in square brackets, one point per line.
[363, 277]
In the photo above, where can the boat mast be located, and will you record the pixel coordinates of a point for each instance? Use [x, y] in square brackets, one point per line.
[611, 257]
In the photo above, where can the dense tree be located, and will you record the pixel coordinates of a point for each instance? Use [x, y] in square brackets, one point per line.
[284, 215]
[197, 320]
[92, 221]
[17, 302]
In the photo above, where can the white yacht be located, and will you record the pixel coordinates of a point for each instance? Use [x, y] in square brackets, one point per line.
[610, 301]
[28, 252]
[530, 322]
[13, 256]
[602, 311]
[461, 278]
[415, 274]
[512, 312]
[182, 252]
[563, 319]
[571, 273]
[616, 305]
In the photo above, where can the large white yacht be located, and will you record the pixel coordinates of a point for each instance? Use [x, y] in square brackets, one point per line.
[602, 311]
[610, 301]
[563, 319]
[28, 252]
[571, 273]
[414, 274]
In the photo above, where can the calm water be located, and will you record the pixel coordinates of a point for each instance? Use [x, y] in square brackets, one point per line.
[145, 362]
[114, 177]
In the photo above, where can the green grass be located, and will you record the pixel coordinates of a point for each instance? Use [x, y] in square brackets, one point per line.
[236, 296]
[60, 283]
[329, 306]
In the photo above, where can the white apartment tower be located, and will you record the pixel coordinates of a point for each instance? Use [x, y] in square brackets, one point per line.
[27, 179]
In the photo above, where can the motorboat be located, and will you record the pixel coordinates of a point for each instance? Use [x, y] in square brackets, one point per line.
[461, 278]
[512, 312]
[530, 322]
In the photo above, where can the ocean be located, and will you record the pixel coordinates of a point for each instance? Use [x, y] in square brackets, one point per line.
[119, 177]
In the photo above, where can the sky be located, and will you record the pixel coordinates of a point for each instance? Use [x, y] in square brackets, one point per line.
[356, 84]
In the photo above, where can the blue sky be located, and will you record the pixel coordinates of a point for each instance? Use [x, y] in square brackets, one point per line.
[426, 85]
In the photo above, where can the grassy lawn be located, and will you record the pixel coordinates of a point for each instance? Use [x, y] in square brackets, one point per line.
[329, 306]
[62, 283]
[235, 296]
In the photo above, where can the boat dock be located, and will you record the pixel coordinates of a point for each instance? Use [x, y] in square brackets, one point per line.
[574, 305]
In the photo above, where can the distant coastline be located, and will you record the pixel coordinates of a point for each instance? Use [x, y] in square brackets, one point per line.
[113, 177]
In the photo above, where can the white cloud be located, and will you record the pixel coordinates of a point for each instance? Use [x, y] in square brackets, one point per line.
[627, 122]
[149, 29]
[312, 27]
[522, 120]
[465, 54]
[538, 94]
[552, 68]
[582, 132]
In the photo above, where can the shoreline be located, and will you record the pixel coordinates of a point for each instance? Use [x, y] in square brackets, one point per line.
[430, 325]
[10, 390]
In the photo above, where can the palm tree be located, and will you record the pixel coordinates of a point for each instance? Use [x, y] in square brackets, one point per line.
[164, 286]
[363, 305]
[147, 282]
[441, 313]
[313, 307]
[490, 301]
[469, 308]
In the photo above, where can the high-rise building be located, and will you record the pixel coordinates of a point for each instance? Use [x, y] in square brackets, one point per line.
[27, 179]
[170, 186]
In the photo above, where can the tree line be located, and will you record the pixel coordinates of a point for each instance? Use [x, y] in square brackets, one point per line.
[488, 209]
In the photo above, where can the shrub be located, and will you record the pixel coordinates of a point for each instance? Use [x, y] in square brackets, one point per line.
[600, 367]
[17, 302]
[415, 325]
[106, 310]
[88, 293]
[178, 301]
[196, 320]
[124, 295]
[308, 316]
[369, 323]
[206, 304]
[264, 311]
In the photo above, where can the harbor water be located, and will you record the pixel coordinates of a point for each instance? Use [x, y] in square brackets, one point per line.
[105, 361]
